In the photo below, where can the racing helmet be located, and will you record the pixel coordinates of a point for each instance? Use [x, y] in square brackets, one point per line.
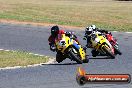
[93, 27]
[54, 30]
[88, 30]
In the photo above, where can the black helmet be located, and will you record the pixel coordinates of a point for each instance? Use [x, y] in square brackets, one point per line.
[54, 30]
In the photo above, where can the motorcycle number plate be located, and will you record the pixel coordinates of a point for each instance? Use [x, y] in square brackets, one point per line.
[62, 43]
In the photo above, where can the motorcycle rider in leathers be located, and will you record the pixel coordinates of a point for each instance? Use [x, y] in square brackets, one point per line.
[54, 34]
[88, 31]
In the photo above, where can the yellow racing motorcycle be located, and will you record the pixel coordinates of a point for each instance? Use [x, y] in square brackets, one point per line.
[70, 48]
[102, 45]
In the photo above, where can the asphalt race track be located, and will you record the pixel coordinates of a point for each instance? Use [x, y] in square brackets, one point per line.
[34, 39]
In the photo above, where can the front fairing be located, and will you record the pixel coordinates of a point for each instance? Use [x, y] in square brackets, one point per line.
[98, 41]
[63, 42]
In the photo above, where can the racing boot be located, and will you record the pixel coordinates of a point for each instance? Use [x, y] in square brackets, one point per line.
[60, 57]
[94, 53]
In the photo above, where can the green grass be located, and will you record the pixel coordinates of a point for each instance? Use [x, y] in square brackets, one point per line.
[19, 58]
[108, 14]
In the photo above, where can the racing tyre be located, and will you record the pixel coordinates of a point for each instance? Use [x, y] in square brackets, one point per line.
[117, 51]
[108, 52]
[74, 57]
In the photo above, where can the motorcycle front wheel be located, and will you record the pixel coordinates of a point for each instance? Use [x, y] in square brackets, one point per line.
[108, 52]
[74, 57]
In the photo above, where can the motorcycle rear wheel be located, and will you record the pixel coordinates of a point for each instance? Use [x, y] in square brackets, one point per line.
[117, 51]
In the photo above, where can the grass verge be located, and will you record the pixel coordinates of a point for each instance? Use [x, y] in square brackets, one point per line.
[108, 14]
[19, 58]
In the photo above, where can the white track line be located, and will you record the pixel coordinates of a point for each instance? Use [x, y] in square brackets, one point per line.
[124, 32]
[7, 50]
[114, 31]
[128, 32]
[1, 49]
[51, 60]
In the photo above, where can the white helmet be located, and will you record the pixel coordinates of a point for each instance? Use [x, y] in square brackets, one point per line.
[93, 27]
[90, 29]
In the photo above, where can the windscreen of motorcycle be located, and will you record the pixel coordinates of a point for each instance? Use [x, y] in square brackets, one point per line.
[95, 41]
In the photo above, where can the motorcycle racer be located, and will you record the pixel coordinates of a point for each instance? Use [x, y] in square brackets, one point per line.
[54, 34]
[88, 32]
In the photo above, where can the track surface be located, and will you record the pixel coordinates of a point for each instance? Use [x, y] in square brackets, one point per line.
[34, 39]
